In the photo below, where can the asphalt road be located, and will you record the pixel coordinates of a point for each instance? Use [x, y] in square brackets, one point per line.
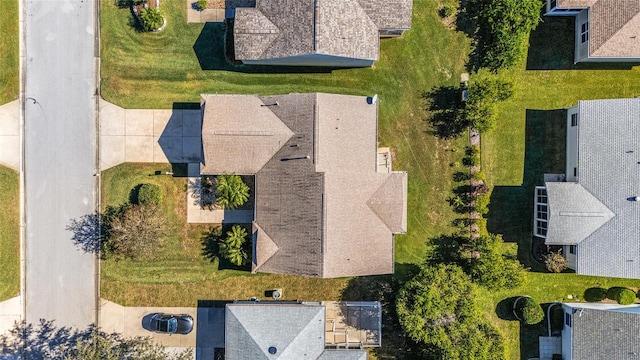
[59, 157]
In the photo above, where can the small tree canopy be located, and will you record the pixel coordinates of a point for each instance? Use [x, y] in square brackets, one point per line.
[232, 247]
[151, 18]
[529, 310]
[231, 191]
[135, 231]
[479, 111]
[149, 194]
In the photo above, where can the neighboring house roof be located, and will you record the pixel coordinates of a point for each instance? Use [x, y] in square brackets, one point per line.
[296, 331]
[614, 26]
[608, 181]
[345, 28]
[319, 198]
[574, 213]
[605, 334]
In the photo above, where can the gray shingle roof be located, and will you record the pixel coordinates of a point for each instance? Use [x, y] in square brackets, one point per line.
[296, 331]
[345, 28]
[574, 213]
[606, 334]
[614, 26]
[319, 198]
[609, 170]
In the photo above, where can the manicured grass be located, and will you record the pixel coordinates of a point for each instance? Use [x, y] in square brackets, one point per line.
[9, 74]
[182, 273]
[528, 141]
[9, 234]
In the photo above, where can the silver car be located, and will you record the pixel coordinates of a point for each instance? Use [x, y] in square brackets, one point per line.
[171, 324]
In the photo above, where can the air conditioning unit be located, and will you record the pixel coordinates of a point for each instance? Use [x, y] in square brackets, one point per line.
[276, 294]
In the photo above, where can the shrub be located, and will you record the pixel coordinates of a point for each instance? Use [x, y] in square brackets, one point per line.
[134, 231]
[447, 11]
[232, 247]
[490, 267]
[595, 294]
[554, 261]
[472, 157]
[149, 194]
[529, 311]
[201, 4]
[479, 175]
[461, 176]
[479, 110]
[482, 204]
[621, 295]
[151, 18]
[231, 191]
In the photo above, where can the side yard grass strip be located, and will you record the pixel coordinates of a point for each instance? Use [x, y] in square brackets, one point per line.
[9, 234]
[9, 74]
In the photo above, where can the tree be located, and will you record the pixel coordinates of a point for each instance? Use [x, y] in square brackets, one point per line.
[528, 310]
[231, 191]
[151, 18]
[554, 261]
[46, 341]
[231, 248]
[503, 28]
[134, 231]
[437, 309]
[490, 267]
[479, 111]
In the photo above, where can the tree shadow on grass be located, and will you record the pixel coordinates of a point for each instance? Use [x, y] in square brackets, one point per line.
[214, 49]
[384, 288]
[443, 104]
[504, 309]
[511, 207]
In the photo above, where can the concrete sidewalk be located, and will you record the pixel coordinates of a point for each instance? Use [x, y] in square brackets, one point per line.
[152, 136]
[10, 135]
[10, 313]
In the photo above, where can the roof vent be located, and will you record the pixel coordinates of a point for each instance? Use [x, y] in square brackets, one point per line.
[273, 350]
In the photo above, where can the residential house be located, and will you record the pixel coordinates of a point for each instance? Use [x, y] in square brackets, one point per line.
[327, 203]
[605, 30]
[301, 330]
[335, 33]
[600, 331]
[593, 210]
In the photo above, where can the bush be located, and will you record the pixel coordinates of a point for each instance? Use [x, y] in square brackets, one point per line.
[621, 295]
[554, 261]
[201, 4]
[490, 268]
[479, 175]
[529, 311]
[232, 247]
[482, 204]
[472, 157]
[151, 18]
[231, 191]
[134, 231]
[595, 294]
[479, 110]
[149, 194]
[447, 11]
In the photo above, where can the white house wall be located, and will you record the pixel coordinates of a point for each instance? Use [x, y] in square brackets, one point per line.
[567, 334]
[582, 49]
[571, 258]
[572, 146]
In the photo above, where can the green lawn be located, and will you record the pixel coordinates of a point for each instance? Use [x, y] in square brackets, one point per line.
[9, 234]
[165, 69]
[9, 74]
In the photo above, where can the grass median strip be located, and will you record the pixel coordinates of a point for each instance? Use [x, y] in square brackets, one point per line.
[9, 234]
[9, 74]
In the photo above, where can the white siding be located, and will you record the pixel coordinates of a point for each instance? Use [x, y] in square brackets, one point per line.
[582, 49]
[572, 146]
[572, 259]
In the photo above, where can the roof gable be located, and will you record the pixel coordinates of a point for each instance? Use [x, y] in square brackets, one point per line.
[614, 28]
[386, 204]
[296, 331]
[574, 213]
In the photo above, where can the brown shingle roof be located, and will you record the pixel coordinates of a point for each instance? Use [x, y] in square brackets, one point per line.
[319, 200]
[347, 28]
[614, 26]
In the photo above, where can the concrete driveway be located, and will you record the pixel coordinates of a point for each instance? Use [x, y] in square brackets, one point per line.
[208, 332]
[10, 135]
[151, 136]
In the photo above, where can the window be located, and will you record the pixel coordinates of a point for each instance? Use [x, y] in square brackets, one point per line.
[574, 120]
[584, 32]
[567, 319]
[572, 249]
[575, 171]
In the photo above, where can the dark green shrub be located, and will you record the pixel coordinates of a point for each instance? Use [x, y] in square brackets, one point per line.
[595, 294]
[149, 194]
[231, 191]
[201, 4]
[447, 11]
[461, 176]
[482, 204]
[621, 295]
[232, 247]
[529, 311]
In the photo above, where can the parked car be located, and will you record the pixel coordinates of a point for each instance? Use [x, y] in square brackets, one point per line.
[171, 324]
